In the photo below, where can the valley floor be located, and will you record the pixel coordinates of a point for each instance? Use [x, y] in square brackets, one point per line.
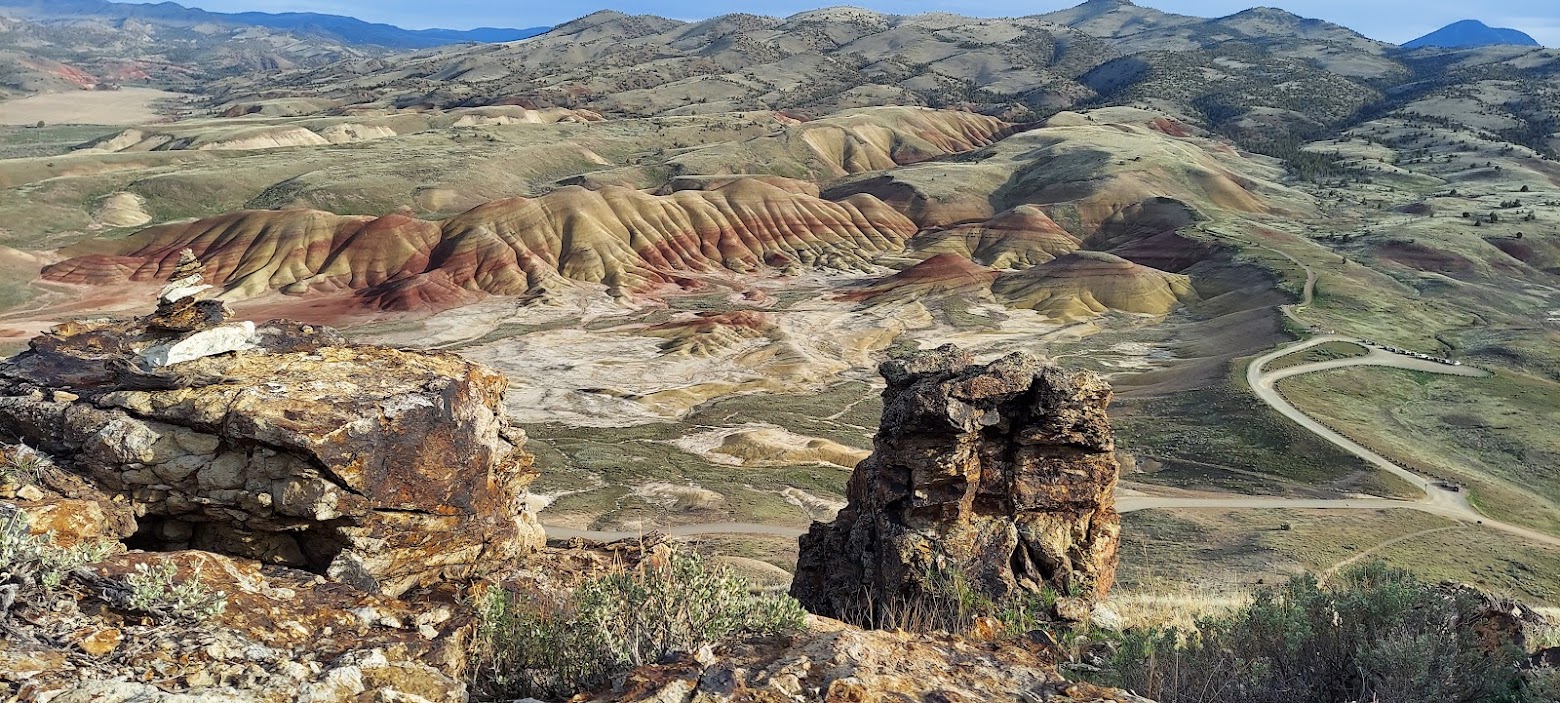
[90, 107]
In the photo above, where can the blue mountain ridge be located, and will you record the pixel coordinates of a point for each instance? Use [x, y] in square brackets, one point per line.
[1471, 33]
[345, 29]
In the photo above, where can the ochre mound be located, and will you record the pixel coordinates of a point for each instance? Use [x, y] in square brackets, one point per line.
[1016, 239]
[708, 333]
[942, 274]
[622, 238]
[770, 446]
[1084, 284]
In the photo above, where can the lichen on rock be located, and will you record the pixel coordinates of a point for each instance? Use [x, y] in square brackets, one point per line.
[1003, 473]
[382, 468]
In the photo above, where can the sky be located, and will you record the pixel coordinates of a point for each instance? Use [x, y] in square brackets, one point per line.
[1396, 21]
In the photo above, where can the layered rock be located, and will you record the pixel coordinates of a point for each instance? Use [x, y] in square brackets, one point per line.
[624, 239]
[1018, 238]
[381, 468]
[943, 274]
[1002, 474]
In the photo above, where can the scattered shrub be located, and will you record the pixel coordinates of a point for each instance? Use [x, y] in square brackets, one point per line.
[23, 464]
[1376, 634]
[157, 590]
[951, 603]
[555, 645]
[31, 560]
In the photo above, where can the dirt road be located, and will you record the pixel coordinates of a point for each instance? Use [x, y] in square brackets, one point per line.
[1437, 500]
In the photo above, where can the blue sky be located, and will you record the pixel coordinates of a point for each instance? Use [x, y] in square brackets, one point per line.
[1390, 20]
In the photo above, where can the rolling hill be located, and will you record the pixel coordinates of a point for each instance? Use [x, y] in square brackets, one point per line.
[333, 28]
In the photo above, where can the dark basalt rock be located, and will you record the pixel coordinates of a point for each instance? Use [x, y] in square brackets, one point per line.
[1004, 473]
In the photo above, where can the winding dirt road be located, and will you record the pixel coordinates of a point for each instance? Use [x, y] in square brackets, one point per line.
[1452, 504]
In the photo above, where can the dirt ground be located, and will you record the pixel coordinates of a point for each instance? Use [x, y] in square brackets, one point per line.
[128, 106]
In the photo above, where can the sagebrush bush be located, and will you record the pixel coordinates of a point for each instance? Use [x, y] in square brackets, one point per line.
[158, 590]
[35, 560]
[951, 603]
[1375, 634]
[553, 644]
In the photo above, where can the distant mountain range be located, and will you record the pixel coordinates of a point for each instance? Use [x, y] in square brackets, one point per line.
[347, 30]
[1471, 33]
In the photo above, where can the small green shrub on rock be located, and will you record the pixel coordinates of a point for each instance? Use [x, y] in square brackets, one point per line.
[952, 603]
[158, 590]
[34, 561]
[551, 644]
[22, 464]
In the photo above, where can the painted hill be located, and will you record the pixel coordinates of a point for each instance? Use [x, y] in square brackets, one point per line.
[1084, 284]
[624, 239]
[1472, 33]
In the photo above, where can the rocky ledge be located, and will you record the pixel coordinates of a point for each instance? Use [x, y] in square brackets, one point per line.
[833, 662]
[380, 468]
[1003, 474]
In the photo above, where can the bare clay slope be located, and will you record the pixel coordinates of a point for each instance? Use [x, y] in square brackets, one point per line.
[624, 239]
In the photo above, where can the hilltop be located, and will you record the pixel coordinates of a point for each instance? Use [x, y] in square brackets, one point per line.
[1470, 33]
[71, 45]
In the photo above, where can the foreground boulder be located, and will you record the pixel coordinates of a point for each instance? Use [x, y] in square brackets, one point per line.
[834, 662]
[283, 636]
[381, 468]
[1001, 475]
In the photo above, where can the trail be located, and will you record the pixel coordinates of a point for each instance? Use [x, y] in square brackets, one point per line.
[1382, 545]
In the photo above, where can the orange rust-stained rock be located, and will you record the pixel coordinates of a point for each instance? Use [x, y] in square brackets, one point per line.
[1002, 473]
[284, 636]
[381, 468]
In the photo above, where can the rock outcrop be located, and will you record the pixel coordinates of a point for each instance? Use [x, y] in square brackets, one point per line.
[833, 662]
[380, 468]
[1002, 473]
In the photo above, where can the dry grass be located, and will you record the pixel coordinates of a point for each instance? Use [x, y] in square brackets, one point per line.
[1179, 608]
[1549, 635]
[115, 107]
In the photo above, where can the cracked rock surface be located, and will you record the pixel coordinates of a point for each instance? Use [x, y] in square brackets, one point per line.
[380, 468]
[834, 663]
[1003, 473]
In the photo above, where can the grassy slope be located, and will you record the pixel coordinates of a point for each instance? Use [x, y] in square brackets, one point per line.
[1496, 435]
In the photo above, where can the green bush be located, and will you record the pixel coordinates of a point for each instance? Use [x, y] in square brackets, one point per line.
[1376, 634]
[951, 603]
[34, 561]
[552, 644]
[158, 590]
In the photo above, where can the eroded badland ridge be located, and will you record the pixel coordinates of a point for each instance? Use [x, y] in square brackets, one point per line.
[472, 368]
